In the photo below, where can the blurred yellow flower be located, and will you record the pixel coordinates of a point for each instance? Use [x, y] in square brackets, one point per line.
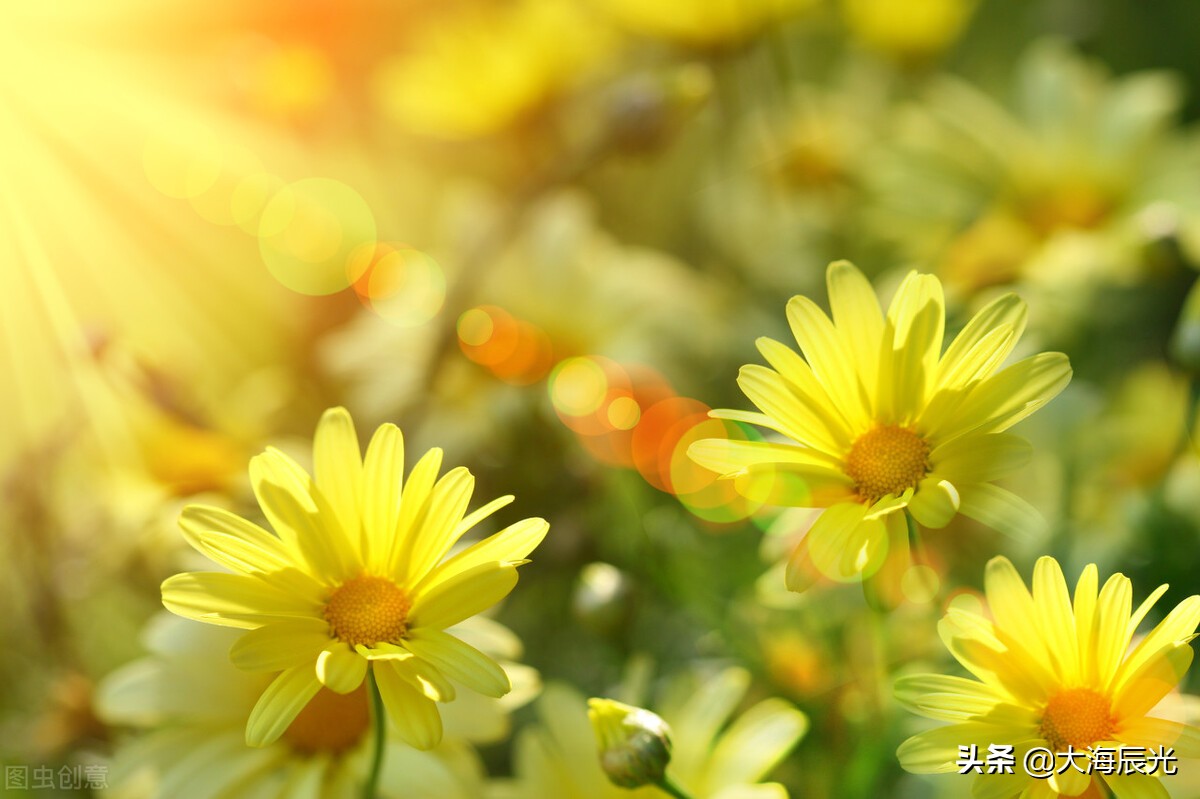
[475, 72]
[909, 31]
[188, 705]
[710, 760]
[884, 423]
[702, 23]
[1056, 675]
[1064, 185]
[355, 577]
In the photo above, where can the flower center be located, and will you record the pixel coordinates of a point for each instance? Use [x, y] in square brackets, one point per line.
[1077, 717]
[330, 722]
[887, 460]
[367, 610]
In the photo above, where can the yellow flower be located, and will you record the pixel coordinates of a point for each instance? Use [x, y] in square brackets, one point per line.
[910, 31]
[477, 71]
[883, 422]
[356, 576]
[1053, 675]
[710, 760]
[702, 23]
[186, 705]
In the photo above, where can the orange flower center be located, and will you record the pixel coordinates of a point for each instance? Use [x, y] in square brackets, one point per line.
[887, 460]
[1076, 717]
[330, 722]
[367, 610]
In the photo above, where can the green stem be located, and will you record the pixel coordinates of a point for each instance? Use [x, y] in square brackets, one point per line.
[379, 719]
[672, 788]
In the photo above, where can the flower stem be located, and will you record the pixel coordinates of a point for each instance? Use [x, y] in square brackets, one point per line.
[672, 788]
[379, 719]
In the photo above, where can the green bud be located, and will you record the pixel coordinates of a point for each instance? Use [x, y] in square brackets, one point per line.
[635, 744]
[1185, 343]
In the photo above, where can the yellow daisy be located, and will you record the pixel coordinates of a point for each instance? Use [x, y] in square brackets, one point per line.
[883, 423]
[356, 576]
[185, 706]
[1054, 676]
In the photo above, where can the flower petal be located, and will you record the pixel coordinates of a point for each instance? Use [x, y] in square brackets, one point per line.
[252, 549]
[754, 744]
[1155, 678]
[1151, 733]
[857, 317]
[231, 600]
[437, 530]
[513, 543]
[462, 595]
[414, 714]
[382, 488]
[459, 661]
[981, 459]
[280, 703]
[1005, 398]
[340, 668]
[935, 502]
[338, 468]
[830, 359]
[794, 400]
[1007, 310]
[843, 545]
[726, 456]
[301, 517]
[1136, 786]
[1002, 510]
[280, 645]
[794, 485]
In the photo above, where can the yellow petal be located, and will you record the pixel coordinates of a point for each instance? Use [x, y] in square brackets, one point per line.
[840, 542]
[831, 360]
[794, 485]
[281, 645]
[795, 400]
[1179, 626]
[1002, 510]
[1154, 679]
[1071, 782]
[935, 502]
[1151, 733]
[435, 533]
[1005, 398]
[382, 488]
[1112, 629]
[301, 516]
[857, 316]
[1013, 608]
[231, 600]
[463, 595]
[1057, 621]
[414, 500]
[915, 323]
[340, 668]
[946, 698]
[726, 456]
[252, 549]
[280, 703]
[1086, 623]
[980, 459]
[338, 467]
[459, 661]
[415, 715]
[513, 543]
[1136, 786]
[1006, 310]
[978, 363]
